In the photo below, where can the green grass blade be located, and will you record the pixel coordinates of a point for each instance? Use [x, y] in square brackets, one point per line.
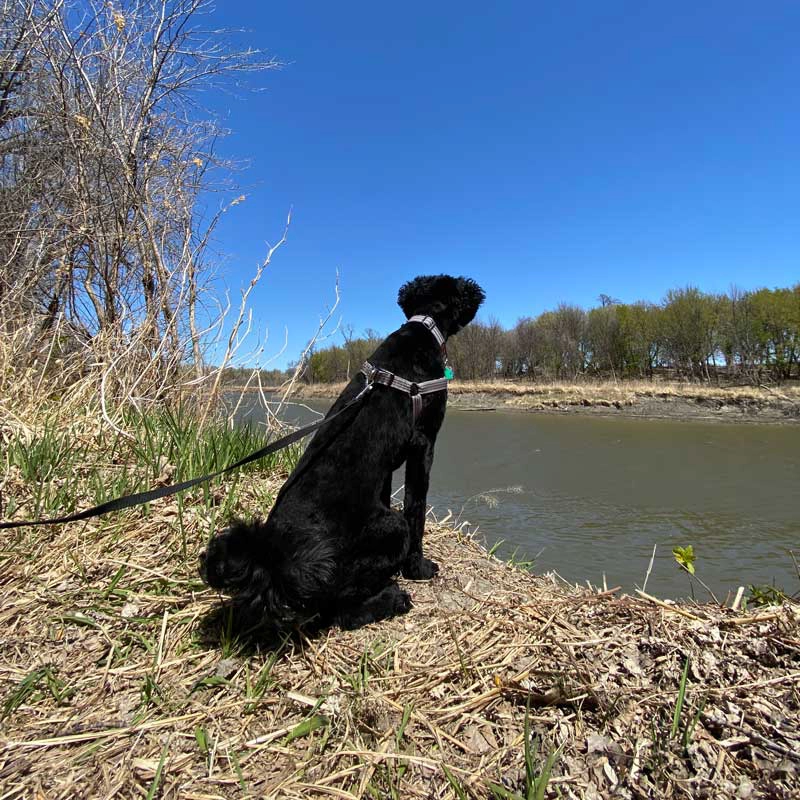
[676, 716]
[157, 777]
[305, 727]
[458, 787]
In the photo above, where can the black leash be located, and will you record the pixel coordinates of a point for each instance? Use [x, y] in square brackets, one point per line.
[127, 501]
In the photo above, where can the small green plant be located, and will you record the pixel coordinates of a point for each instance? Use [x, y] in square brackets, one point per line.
[209, 682]
[159, 770]
[688, 731]
[375, 659]
[201, 737]
[112, 587]
[33, 687]
[364, 663]
[238, 769]
[385, 783]
[400, 732]
[456, 784]
[536, 779]
[496, 546]
[151, 695]
[255, 690]
[765, 595]
[228, 640]
[306, 727]
[665, 734]
[521, 562]
[465, 667]
[685, 557]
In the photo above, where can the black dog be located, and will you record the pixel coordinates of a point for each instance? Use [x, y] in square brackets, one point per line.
[332, 544]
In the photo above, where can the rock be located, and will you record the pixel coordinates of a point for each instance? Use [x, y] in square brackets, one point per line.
[226, 668]
[596, 743]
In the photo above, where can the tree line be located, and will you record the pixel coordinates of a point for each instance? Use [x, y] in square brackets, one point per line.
[744, 336]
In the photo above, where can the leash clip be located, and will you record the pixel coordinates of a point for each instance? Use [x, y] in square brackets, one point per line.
[370, 382]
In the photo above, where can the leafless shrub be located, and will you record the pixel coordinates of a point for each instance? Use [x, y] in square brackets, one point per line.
[104, 153]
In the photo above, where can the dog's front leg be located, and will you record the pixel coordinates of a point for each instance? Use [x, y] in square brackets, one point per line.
[386, 491]
[418, 470]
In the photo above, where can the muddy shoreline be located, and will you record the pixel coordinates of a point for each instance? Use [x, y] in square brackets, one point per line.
[685, 403]
[677, 408]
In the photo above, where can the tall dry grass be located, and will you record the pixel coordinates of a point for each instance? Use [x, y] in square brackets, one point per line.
[625, 392]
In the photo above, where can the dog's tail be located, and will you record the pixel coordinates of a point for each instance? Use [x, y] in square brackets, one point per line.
[264, 577]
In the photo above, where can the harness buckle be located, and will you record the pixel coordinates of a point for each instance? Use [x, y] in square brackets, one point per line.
[413, 390]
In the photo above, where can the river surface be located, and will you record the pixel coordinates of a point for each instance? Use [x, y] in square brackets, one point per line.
[591, 496]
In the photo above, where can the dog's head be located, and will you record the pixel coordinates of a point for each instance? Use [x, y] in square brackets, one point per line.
[452, 302]
[230, 560]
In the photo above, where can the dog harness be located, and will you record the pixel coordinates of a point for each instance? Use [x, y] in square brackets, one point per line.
[414, 390]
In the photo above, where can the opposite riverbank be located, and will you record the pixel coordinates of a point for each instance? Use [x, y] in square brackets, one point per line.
[643, 399]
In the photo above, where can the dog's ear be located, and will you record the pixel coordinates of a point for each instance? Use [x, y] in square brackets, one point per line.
[231, 558]
[416, 294]
[469, 297]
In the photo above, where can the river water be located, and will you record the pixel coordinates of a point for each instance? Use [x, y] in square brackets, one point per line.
[591, 496]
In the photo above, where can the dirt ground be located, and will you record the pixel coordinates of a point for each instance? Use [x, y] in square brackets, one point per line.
[121, 676]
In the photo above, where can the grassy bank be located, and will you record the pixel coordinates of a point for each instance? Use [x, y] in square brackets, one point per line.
[53, 467]
[629, 398]
[121, 674]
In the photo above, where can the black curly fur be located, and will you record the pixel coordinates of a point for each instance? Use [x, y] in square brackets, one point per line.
[332, 544]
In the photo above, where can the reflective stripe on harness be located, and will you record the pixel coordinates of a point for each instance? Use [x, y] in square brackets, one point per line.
[414, 390]
[430, 324]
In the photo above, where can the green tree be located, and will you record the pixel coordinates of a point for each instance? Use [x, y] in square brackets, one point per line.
[741, 339]
[778, 323]
[604, 343]
[689, 327]
[640, 331]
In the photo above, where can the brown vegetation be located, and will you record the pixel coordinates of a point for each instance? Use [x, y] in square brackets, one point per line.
[689, 400]
[104, 263]
[119, 678]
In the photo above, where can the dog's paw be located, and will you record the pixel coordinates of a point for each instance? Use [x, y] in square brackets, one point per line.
[402, 604]
[420, 569]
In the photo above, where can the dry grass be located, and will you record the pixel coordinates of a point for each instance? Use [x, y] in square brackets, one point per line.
[120, 677]
[624, 391]
[628, 388]
[643, 398]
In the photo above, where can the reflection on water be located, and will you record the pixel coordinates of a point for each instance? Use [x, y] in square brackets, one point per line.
[598, 493]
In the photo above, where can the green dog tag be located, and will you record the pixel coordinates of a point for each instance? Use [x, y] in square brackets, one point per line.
[448, 372]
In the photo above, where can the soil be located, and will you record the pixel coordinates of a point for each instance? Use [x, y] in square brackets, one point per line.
[495, 683]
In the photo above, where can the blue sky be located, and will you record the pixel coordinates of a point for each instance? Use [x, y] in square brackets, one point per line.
[551, 151]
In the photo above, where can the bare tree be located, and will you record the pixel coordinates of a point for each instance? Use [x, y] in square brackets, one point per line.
[104, 153]
[476, 350]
